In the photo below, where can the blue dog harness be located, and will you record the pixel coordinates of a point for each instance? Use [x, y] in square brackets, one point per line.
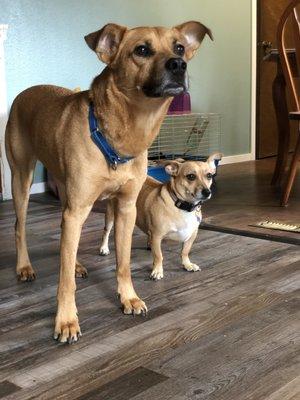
[98, 138]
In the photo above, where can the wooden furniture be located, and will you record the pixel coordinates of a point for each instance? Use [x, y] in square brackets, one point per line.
[269, 13]
[280, 104]
[291, 15]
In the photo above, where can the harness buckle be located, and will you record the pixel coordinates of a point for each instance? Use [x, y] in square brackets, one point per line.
[114, 165]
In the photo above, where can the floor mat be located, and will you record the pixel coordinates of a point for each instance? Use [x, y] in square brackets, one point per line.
[278, 226]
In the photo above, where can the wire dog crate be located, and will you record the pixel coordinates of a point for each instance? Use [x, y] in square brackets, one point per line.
[192, 136]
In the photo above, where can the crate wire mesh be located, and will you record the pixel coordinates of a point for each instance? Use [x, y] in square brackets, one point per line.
[188, 136]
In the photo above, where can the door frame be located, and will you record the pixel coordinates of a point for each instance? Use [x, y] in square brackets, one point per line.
[4, 167]
[253, 77]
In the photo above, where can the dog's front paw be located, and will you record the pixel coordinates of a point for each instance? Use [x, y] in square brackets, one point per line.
[26, 274]
[157, 274]
[191, 267]
[104, 251]
[67, 330]
[134, 306]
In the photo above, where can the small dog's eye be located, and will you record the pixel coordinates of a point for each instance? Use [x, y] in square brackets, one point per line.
[209, 176]
[179, 49]
[191, 177]
[143, 51]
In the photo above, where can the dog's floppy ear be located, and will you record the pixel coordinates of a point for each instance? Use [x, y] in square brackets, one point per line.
[172, 167]
[212, 158]
[194, 33]
[106, 41]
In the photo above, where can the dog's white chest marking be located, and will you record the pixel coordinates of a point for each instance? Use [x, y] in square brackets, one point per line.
[182, 230]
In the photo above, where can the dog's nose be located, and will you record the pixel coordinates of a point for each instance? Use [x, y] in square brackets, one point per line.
[206, 193]
[176, 65]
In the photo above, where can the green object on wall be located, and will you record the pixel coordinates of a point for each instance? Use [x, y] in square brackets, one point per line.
[45, 45]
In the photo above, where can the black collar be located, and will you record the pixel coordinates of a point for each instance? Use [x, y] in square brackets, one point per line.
[183, 205]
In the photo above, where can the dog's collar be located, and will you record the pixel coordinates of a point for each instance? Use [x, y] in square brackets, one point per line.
[184, 205]
[98, 138]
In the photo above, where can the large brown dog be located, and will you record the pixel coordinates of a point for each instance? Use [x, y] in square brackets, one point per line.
[145, 68]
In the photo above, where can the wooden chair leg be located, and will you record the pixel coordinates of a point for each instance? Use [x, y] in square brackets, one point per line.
[283, 125]
[292, 174]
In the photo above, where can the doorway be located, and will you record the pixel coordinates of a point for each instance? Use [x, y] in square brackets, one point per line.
[268, 15]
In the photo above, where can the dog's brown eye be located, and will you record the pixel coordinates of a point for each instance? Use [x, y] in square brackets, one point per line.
[209, 176]
[143, 51]
[191, 177]
[179, 49]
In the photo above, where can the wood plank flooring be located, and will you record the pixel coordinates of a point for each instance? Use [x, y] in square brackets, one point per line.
[229, 332]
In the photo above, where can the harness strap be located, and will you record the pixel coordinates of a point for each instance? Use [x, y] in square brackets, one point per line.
[100, 141]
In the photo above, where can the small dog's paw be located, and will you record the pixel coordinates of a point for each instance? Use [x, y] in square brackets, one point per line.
[191, 267]
[104, 251]
[26, 274]
[80, 271]
[134, 306]
[157, 274]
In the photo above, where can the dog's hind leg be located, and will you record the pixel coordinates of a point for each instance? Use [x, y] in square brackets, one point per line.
[22, 162]
[80, 270]
[157, 268]
[21, 182]
[109, 222]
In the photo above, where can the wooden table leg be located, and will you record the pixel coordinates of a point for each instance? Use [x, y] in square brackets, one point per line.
[283, 123]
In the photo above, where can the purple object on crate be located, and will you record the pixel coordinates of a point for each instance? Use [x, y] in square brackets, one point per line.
[181, 104]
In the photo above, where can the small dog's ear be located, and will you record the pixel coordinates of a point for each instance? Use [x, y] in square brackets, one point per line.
[180, 160]
[211, 159]
[105, 42]
[166, 162]
[172, 168]
[194, 33]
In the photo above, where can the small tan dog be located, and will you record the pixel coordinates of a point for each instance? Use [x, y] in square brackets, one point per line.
[124, 107]
[170, 210]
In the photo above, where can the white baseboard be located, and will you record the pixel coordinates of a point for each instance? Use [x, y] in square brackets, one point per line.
[36, 188]
[40, 187]
[237, 158]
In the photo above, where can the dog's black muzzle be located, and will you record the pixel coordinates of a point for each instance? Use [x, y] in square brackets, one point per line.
[176, 66]
[173, 82]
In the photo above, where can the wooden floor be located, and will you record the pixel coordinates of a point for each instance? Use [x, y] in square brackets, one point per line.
[244, 196]
[229, 332]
